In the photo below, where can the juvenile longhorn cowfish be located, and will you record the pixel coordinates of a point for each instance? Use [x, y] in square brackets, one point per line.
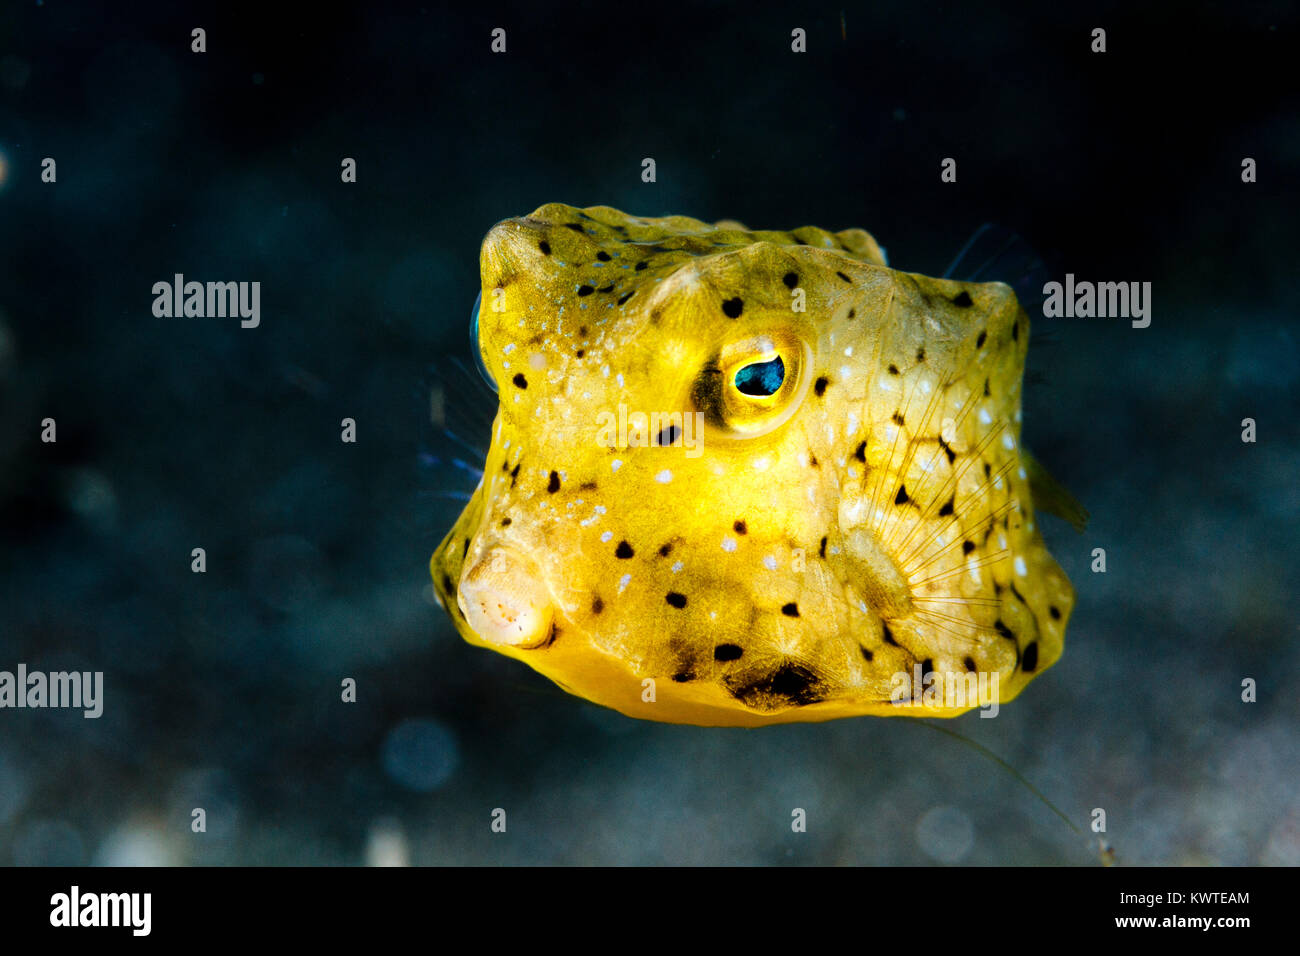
[741, 477]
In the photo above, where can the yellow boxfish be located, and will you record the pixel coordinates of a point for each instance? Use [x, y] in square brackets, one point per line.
[740, 477]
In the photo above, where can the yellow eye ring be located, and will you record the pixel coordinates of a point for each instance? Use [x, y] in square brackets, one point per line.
[754, 384]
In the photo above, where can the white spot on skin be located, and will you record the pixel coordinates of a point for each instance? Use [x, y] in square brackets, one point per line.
[622, 583]
[677, 566]
[664, 477]
[606, 536]
[1020, 566]
[1008, 441]
[728, 544]
[1021, 472]
[985, 417]
[845, 373]
[509, 348]
[619, 378]
[769, 562]
[761, 464]
[848, 351]
[537, 361]
[615, 465]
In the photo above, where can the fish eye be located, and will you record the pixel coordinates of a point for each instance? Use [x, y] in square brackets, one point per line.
[753, 385]
[761, 378]
[474, 345]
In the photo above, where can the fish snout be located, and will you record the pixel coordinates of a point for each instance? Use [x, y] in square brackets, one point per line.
[505, 600]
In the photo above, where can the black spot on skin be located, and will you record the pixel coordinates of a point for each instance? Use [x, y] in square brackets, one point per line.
[821, 548]
[624, 550]
[789, 684]
[986, 388]
[819, 386]
[1055, 612]
[798, 241]
[927, 667]
[1019, 597]
[898, 418]
[514, 475]
[901, 498]
[608, 288]
[844, 277]
[853, 313]
[554, 484]
[980, 339]
[866, 654]
[641, 265]
[963, 300]
[1015, 331]
[967, 547]
[580, 353]
[790, 610]
[506, 522]
[665, 550]
[676, 600]
[447, 586]
[603, 256]
[888, 635]
[597, 605]
[988, 470]
[920, 355]
[861, 453]
[970, 661]
[893, 369]
[790, 279]
[587, 486]
[952, 455]
[582, 330]
[741, 527]
[625, 296]
[733, 307]
[812, 460]
[586, 290]
[519, 380]
[465, 550]
[545, 247]
[668, 435]
[947, 509]
[575, 226]
[1003, 630]
[727, 652]
[1029, 660]
[684, 676]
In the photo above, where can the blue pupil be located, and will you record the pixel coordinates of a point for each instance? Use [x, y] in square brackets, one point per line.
[474, 346]
[761, 378]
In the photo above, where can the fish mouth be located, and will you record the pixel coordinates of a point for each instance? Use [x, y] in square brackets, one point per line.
[505, 600]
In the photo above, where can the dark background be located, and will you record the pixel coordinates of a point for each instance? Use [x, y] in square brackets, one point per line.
[222, 689]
